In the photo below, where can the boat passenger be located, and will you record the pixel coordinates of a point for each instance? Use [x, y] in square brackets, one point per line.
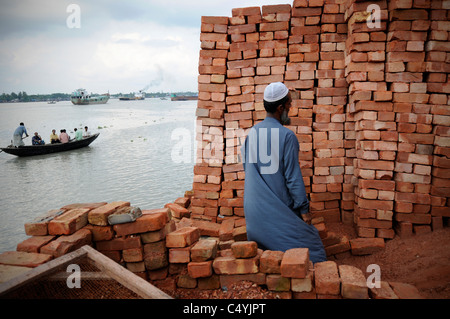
[78, 134]
[37, 140]
[17, 136]
[64, 137]
[86, 132]
[54, 138]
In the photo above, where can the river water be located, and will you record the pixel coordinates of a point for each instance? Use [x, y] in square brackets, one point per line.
[144, 155]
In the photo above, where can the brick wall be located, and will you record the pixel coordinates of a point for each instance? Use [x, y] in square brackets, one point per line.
[370, 108]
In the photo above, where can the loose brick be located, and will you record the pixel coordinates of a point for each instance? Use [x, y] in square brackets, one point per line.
[366, 246]
[24, 259]
[353, 283]
[39, 225]
[69, 222]
[405, 291]
[100, 233]
[200, 269]
[133, 255]
[303, 284]
[155, 255]
[233, 266]
[384, 292]
[204, 249]
[278, 283]
[244, 249]
[179, 255]
[270, 262]
[8, 272]
[145, 223]
[326, 278]
[34, 244]
[182, 237]
[119, 243]
[295, 263]
[66, 244]
[154, 236]
[99, 216]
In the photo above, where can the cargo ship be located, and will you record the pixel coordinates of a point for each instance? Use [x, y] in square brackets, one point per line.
[138, 96]
[175, 97]
[81, 97]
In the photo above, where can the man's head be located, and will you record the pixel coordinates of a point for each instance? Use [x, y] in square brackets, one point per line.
[277, 101]
[86, 128]
[75, 129]
[35, 133]
[21, 124]
[53, 131]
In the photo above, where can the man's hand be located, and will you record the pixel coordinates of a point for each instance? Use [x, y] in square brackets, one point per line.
[306, 218]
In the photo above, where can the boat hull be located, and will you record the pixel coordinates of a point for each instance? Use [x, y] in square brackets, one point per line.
[89, 101]
[32, 150]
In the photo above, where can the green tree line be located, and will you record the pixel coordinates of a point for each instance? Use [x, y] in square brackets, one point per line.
[24, 97]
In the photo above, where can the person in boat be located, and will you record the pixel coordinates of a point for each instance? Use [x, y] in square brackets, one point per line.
[18, 133]
[54, 138]
[275, 202]
[86, 132]
[64, 137]
[37, 140]
[78, 134]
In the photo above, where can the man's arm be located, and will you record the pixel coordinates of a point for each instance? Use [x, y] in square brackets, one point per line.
[293, 175]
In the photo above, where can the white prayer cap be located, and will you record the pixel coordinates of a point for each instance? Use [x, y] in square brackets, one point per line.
[275, 92]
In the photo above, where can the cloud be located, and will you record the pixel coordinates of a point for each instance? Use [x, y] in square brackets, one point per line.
[121, 46]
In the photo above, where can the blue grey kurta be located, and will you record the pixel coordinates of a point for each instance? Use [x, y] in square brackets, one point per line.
[274, 194]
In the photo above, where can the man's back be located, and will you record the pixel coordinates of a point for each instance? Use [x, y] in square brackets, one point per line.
[274, 191]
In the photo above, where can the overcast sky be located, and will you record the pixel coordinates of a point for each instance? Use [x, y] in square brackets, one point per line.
[120, 46]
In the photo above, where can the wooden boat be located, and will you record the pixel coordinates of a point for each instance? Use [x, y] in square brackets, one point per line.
[31, 150]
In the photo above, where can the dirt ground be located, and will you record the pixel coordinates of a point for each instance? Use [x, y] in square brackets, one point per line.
[422, 260]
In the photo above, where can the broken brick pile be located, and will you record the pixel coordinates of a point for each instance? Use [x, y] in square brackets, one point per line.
[178, 252]
[370, 88]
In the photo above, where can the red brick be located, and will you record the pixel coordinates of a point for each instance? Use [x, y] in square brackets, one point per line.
[270, 261]
[155, 255]
[384, 292]
[179, 255]
[326, 278]
[366, 246]
[99, 216]
[200, 269]
[133, 255]
[226, 230]
[233, 266]
[295, 263]
[119, 243]
[183, 237]
[244, 249]
[353, 282]
[204, 249]
[69, 222]
[66, 244]
[39, 225]
[405, 291]
[278, 283]
[100, 233]
[24, 259]
[145, 223]
[34, 244]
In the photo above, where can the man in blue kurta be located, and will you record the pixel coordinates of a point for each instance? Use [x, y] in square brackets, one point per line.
[275, 204]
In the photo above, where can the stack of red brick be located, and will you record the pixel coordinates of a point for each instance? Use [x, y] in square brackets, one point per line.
[369, 81]
[197, 254]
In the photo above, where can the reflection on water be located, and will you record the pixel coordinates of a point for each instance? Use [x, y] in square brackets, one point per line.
[130, 160]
